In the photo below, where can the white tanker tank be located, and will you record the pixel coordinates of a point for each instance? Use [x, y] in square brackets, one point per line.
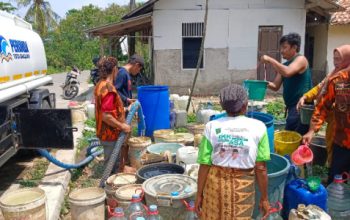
[27, 115]
[23, 62]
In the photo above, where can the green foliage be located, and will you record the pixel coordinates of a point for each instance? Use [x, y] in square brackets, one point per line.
[40, 15]
[70, 45]
[319, 171]
[6, 6]
[181, 130]
[91, 123]
[191, 118]
[277, 109]
[35, 175]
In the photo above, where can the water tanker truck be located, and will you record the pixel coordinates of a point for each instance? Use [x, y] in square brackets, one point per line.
[28, 118]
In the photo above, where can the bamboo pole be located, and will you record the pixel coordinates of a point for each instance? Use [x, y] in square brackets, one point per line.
[200, 53]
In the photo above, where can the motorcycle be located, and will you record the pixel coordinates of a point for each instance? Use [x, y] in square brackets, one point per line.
[94, 75]
[71, 84]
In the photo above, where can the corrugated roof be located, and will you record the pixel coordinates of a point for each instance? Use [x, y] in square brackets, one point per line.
[342, 17]
[124, 27]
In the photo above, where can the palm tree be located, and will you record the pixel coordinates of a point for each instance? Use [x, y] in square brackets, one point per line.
[40, 14]
[5, 6]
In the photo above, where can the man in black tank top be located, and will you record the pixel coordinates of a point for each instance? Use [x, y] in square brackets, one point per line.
[295, 76]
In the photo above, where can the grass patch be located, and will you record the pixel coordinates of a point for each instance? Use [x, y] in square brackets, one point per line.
[36, 173]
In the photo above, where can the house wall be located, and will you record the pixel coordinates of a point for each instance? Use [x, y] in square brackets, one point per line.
[337, 36]
[320, 34]
[231, 44]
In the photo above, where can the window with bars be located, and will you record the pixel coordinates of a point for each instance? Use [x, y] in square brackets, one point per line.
[192, 34]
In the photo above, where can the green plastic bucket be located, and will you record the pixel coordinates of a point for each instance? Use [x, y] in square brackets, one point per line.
[306, 112]
[256, 89]
[277, 171]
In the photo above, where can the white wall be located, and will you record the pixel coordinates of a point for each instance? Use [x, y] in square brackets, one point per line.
[320, 34]
[244, 30]
[337, 35]
[232, 24]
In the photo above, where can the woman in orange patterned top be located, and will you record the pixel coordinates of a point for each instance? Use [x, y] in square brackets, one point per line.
[316, 93]
[110, 114]
[336, 97]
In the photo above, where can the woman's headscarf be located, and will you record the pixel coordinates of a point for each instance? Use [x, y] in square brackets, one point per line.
[344, 52]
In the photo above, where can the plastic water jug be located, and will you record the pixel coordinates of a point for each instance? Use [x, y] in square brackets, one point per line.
[204, 115]
[153, 213]
[339, 199]
[91, 111]
[172, 119]
[190, 213]
[311, 212]
[136, 208]
[118, 214]
[298, 192]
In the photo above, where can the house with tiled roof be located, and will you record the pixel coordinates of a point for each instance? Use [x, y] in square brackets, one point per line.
[322, 36]
[238, 33]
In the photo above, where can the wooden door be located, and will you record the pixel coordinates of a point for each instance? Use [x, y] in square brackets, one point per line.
[269, 37]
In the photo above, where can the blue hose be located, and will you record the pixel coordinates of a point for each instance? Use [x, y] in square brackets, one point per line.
[91, 152]
[93, 149]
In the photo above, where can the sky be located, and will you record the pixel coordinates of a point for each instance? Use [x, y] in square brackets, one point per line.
[62, 6]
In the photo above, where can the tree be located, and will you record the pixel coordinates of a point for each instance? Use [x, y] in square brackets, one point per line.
[40, 15]
[5, 6]
[69, 44]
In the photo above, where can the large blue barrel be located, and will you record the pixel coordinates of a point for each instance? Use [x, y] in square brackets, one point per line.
[268, 121]
[277, 171]
[156, 107]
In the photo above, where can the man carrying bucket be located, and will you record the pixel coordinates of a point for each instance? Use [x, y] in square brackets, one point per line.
[295, 76]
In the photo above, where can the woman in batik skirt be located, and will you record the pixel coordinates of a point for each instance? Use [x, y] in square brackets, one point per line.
[232, 155]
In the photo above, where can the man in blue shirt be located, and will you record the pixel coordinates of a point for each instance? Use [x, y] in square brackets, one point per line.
[123, 81]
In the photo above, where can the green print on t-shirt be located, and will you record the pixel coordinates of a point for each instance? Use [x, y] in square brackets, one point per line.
[232, 140]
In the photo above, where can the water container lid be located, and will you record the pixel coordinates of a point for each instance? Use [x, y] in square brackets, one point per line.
[140, 218]
[126, 192]
[338, 178]
[191, 203]
[169, 183]
[121, 179]
[174, 193]
[153, 208]
[135, 196]
[119, 210]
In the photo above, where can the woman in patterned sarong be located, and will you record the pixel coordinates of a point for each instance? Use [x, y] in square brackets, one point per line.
[232, 154]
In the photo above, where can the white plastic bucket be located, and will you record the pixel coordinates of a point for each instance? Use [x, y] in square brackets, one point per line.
[87, 204]
[27, 203]
[187, 155]
[137, 146]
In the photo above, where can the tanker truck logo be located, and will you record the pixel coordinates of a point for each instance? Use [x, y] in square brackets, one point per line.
[5, 50]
